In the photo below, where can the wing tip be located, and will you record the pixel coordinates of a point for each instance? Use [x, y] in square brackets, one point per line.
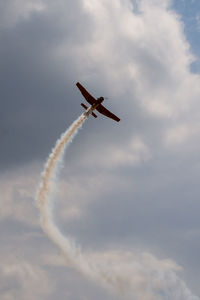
[117, 119]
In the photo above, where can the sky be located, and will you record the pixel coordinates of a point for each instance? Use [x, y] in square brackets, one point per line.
[128, 190]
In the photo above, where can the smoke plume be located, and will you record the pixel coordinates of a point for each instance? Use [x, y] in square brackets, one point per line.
[134, 276]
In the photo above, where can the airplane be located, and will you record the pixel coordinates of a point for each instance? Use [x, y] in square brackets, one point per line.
[95, 104]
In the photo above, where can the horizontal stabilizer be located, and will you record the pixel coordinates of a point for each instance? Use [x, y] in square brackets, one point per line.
[84, 106]
[93, 114]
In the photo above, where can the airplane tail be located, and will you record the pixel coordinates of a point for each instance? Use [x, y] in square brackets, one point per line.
[85, 107]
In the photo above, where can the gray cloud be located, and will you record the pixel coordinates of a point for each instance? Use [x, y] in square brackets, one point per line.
[118, 194]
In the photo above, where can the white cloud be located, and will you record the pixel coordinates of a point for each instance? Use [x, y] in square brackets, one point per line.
[141, 276]
[22, 280]
[18, 188]
[148, 49]
[145, 54]
[76, 193]
[177, 135]
[130, 154]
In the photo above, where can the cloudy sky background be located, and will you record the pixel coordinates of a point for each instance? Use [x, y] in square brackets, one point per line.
[129, 187]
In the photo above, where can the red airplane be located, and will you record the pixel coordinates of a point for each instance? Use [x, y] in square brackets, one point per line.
[95, 104]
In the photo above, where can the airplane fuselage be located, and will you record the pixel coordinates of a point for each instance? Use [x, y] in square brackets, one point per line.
[94, 106]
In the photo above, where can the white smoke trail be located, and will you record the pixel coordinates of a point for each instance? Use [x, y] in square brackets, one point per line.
[45, 191]
[135, 276]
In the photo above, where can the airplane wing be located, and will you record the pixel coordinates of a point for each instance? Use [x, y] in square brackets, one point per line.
[89, 98]
[104, 111]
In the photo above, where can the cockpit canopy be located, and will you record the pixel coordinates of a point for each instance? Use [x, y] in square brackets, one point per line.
[101, 98]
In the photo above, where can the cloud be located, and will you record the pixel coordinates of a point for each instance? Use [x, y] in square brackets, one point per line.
[14, 11]
[115, 49]
[126, 184]
[136, 276]
[18, 188]
[154, 58]
[22, 280]
[105, 274]
[131, 154]
[177, 135]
